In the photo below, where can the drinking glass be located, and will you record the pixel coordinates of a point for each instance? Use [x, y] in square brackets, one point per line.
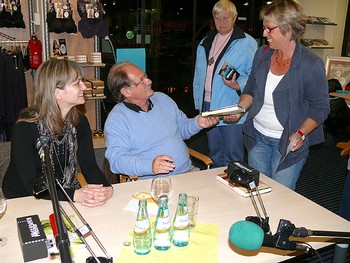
[3, 240]
[161, 185]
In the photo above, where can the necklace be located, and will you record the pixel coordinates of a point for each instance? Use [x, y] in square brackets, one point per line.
[64, 152]
[211, 60]
[280, 63]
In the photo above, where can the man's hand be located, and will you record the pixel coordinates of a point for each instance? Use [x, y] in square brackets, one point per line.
[206, 122]
[163, 164]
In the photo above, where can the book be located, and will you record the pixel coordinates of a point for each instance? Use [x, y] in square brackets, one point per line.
[263, 187]
[227, 71]
[229, 110]
[75, 242]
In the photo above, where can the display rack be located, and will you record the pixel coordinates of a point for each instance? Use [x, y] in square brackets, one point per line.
[318, 43]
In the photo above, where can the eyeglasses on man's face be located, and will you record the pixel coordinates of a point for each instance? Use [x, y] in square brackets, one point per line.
[268, 29]
[141, 80]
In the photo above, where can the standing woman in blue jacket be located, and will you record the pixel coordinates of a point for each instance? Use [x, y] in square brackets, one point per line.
[228, 43]
[287, 97]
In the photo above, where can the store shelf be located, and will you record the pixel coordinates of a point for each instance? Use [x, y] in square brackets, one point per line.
[95, 97]
[317, 20]
[93, 64]
[316, 43]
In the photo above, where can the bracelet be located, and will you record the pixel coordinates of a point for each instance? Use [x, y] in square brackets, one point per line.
[301, 134]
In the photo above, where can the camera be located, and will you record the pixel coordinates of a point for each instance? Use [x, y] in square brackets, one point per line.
[230, 72]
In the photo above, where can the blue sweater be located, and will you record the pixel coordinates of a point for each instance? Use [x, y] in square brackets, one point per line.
[134, 139]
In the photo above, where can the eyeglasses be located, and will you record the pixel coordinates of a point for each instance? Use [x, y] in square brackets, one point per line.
[268, 29]
[141, 80]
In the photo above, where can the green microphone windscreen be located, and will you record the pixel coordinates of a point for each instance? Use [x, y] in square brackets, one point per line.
[246, 235]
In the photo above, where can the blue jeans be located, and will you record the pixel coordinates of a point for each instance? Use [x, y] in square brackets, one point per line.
[225, 143]
[344, 207]
[265, 157]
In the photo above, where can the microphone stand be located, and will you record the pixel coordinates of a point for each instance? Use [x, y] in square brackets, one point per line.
[62, 239]
[84, 231]
[248, 177]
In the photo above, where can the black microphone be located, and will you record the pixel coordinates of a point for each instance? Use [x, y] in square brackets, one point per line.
[249, 236]
[303, 232]
[41, 142]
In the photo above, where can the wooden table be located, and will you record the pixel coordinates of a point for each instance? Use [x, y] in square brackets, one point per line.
[218, 204]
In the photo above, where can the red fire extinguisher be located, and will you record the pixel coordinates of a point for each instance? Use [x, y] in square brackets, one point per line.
[35, 52]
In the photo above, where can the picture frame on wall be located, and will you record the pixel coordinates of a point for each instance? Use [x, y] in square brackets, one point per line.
[338, 68]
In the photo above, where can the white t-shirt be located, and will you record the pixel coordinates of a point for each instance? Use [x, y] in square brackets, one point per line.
[266, 121]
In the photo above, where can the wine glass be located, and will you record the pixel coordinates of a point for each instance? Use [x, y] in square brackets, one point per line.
[161, 185]
[3, 240]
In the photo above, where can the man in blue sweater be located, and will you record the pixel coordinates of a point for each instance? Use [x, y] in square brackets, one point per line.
[144, 132]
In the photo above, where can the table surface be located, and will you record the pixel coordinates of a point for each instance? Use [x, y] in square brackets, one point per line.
[218, 204]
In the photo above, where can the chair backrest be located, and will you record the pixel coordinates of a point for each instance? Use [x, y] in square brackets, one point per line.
[5, 152]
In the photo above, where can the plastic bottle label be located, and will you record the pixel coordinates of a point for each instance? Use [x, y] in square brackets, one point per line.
[163, 224]
[182, 221]
[142, 227]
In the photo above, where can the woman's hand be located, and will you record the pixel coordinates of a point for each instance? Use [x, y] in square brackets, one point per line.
[93, 195]
[233, 118]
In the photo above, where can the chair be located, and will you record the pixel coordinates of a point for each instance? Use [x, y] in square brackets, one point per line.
[122, 178]
[5, 153]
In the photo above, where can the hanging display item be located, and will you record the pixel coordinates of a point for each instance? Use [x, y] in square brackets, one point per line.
[91, 23]
[10, 14]
[59, 18]
[35, 52]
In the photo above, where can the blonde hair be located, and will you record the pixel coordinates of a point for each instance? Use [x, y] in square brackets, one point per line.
[224, 5]
[287, 14]
[52, 74]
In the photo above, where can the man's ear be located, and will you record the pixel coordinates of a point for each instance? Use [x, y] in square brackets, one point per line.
[125, 92]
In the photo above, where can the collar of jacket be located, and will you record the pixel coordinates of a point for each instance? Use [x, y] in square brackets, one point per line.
[208, 41]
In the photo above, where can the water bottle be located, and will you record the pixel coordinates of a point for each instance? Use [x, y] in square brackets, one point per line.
[162, 235]
[181, 223]
[142, 238]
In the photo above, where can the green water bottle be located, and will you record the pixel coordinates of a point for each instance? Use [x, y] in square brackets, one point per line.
[142, 238]
[181, 223]
[162, 234]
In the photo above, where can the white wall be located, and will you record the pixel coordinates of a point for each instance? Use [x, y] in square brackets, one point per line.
[334, 10]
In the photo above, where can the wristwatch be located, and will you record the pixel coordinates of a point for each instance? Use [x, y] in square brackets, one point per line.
[301, 134]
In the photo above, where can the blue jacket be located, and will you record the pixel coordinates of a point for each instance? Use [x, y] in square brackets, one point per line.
[239, 52]
[302, 93]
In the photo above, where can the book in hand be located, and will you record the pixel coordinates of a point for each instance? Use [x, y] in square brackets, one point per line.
[229, 110]
[227, 71]
[224, 179]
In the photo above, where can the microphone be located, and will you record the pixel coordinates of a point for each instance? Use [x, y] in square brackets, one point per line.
[41, 142]
[249, 236]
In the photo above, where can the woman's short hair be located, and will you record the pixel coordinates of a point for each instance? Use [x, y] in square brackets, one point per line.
[287, 14]
[118, 79]
[224, 5]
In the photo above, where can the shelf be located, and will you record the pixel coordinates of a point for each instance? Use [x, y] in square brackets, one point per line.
[316, 20]
[316, 43]
[93, 64]
[95, 98]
